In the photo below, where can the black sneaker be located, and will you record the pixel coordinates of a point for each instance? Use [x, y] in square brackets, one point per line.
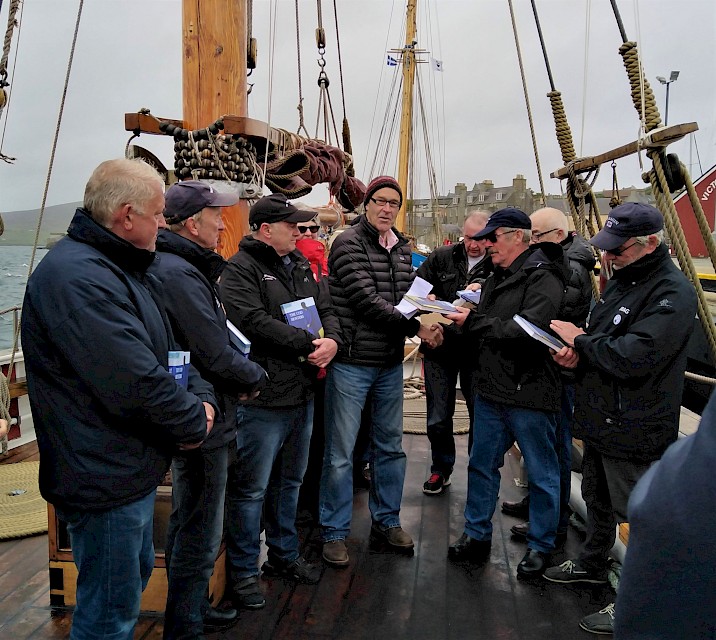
[571, 571]
[299, 570]
[601, 622]
[247, 594]
[435, 484]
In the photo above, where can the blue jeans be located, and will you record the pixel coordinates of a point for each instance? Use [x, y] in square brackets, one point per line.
[272, 446]
[564, 454]
[496, 428]
[193, 537]
[114, 554]
[440, 393]
[347, 387]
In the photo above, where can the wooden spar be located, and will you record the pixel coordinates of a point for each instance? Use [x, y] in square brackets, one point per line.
[406, 116]
[214, 81]
[656, 138]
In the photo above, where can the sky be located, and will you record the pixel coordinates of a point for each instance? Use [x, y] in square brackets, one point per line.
[128, 56]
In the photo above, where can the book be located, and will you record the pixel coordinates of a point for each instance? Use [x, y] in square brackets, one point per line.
[538, 334]
[468, 299]
[430, 306]
[238, 340]
[303, 314]
[178, 363]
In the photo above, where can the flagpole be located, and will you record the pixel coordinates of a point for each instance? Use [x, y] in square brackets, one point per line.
[406, 117]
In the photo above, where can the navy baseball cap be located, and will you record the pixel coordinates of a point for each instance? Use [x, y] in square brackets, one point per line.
[184, 199]
[628, 220]
[276, 208]
[509, 217]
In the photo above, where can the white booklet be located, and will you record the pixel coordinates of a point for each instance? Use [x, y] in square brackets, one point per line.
[538, 334]
[238, 340]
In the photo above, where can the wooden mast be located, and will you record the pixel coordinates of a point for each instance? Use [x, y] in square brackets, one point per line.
[406, 116]
[214, 43]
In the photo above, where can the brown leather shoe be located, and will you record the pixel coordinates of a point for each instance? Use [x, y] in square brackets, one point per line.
[393, 537]
[335, 553]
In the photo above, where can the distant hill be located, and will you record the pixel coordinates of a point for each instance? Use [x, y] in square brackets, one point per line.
[20, 225]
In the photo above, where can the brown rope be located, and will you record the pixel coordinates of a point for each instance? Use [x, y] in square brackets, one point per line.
[651, 117]
[700, 216]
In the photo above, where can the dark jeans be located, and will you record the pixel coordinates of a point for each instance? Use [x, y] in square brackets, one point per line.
[114, 554]
[440, 382]
[564, 454]
[606, 485]
[193, 537]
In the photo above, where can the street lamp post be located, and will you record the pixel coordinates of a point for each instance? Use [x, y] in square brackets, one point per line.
[672, 78]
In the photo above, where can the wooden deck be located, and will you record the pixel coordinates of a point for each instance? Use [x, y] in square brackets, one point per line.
[378, 596]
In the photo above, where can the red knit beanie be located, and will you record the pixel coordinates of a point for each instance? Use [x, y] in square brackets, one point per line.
[379, 183]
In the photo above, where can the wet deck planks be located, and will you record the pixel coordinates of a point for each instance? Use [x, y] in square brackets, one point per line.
[379, 595]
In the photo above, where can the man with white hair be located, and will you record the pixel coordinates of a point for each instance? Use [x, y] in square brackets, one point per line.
[629, 363]
[450, 268]
[107, 412]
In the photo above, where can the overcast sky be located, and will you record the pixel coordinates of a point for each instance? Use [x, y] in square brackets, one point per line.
[129, 56]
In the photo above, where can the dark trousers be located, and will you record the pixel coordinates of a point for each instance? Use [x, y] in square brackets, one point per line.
[440, 382]
[193, 537]
[606, 485]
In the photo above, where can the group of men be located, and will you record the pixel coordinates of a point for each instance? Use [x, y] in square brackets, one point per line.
[109, 303]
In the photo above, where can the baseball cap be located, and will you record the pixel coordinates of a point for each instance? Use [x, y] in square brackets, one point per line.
[183, 199]
[509, 217]
[628, 220]
[276, 208]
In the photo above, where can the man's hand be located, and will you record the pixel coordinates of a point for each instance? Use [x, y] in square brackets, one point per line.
[3, 427]
[566, 330]
[459, 316]
[566, 357]
[209, 411]
[474, 286]
[326, 349]
[243, 397]
[432, 335]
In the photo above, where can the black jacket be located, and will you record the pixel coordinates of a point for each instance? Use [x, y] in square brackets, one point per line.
[366, 283]
[631, 362]
[511, 367]
[446, 269]
[254, 285]
[578, 297]
[188, 274]
[107, 413]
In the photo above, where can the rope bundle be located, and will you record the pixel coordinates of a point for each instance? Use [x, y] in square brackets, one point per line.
[224, 157]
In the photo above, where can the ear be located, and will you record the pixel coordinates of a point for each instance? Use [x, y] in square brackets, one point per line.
[190, 226]
[124, 218]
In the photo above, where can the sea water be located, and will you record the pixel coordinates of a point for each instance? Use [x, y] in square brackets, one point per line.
[14, 261]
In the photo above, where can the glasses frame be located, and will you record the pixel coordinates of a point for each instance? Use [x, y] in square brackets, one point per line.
[393, 204]
[620, 250]
[537, 236]
[492, 236]
[314, 228]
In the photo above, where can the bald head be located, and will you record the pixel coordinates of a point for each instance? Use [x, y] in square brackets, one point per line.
[549, 225]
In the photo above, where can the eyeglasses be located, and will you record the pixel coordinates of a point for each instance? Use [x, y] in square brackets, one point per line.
[537, 236]
[393, 204]
[313, 228]
[619, 250]
[492, 237]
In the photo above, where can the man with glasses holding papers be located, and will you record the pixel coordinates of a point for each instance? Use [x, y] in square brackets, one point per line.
[629, 363]
[517, 387]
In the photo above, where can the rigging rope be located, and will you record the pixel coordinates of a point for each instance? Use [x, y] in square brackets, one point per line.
[527, 102]
[301, 123]
[346, 131]
[12, 22]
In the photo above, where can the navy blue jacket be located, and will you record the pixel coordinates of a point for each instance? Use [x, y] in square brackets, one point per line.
[107, 413]
[668, 582]
[188, 274]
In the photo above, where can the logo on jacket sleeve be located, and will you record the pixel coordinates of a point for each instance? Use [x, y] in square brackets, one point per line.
[617, 319]
[267, 277]
[666, 303]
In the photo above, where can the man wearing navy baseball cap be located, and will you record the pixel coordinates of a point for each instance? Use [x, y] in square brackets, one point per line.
[630, 364]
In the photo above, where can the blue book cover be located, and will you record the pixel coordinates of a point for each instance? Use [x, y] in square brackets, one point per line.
[303, 315]
[178, 362]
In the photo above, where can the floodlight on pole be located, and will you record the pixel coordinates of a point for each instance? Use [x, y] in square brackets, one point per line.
[673, 77]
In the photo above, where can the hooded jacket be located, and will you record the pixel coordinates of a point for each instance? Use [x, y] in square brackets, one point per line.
[107, 413]
[630, 374]
[511, 367]
[366, 283]
[188, 273]
[254, 285]
[578, 296]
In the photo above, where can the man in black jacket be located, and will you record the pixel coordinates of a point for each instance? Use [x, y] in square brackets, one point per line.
[550, 225]
[274, 429]
[369, 270]
[188, 268]
[450, 269]
[107, 412]
[517, 387]
[630, 366]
